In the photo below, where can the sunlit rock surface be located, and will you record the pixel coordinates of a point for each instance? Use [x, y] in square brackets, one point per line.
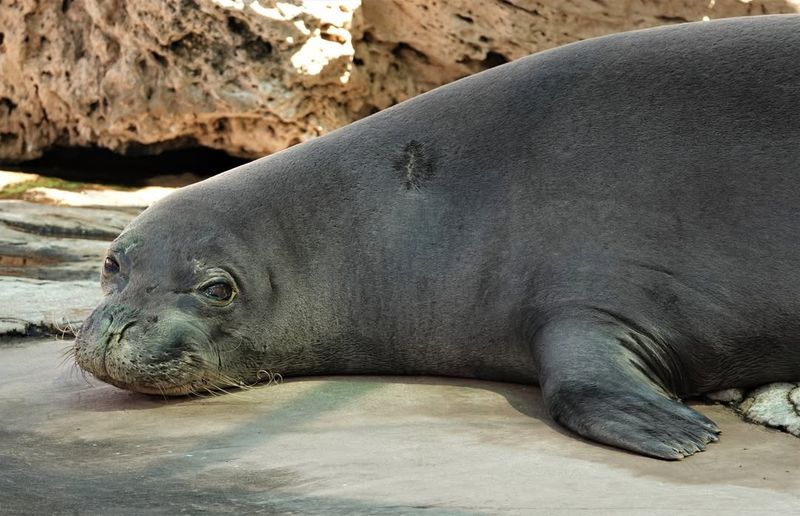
[255, 76]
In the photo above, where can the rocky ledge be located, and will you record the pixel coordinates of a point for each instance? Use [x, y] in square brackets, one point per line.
[49, 253]
[252, 77]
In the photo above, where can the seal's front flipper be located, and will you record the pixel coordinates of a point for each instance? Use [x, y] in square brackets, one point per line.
[595, 384]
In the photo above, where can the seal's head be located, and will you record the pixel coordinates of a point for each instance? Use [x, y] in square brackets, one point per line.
[174, 317]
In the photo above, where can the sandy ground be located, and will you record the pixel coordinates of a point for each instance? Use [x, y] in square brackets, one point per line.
[349, 445]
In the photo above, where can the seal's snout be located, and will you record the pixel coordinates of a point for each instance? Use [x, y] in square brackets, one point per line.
[155, 354]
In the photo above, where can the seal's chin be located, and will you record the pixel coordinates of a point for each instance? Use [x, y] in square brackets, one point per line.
[158, 390]
[191, 383]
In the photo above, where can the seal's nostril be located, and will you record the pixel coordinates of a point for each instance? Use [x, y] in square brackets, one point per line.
[152, 319]
[125, 326]
[116, 331]
[150, 289]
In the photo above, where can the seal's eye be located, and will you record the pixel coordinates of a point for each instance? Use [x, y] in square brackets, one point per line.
[110, 266]
[219, 291]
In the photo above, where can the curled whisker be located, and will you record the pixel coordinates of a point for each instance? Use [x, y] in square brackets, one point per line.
[66, 329]
[272, 378]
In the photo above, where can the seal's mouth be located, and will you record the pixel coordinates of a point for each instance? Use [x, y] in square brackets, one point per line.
[125, 366]
[214, 384]
[174, 378]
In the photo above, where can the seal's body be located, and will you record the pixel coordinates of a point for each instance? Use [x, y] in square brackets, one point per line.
[617, 220]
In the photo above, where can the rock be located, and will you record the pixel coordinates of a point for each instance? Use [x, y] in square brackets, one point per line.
[727, 396]
[41, 257]
[55, 243]
[252, 77]
[63, 222]
[776, 405]
[49, 260]
[38, 306]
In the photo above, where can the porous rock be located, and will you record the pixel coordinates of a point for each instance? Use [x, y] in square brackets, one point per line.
[776, 405]
[252, 77]
[726, 396]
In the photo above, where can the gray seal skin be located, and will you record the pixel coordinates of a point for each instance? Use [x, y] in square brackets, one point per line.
[617, 220]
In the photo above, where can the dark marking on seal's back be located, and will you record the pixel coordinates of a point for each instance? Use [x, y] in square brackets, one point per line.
[415, 165]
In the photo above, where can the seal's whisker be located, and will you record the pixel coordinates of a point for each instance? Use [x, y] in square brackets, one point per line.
[65, 328]
[230, 380]
[220, 388]
[74, 370]
[239, 341]
[272, 378]
[67, 354]
[186, 389]
[208, 393]
[84, 374]
[210, 390]
[66, 359]
[216, 378]
[161, 390]
[73, 329]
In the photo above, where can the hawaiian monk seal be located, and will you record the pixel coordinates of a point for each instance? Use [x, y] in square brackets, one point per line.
[617, 219]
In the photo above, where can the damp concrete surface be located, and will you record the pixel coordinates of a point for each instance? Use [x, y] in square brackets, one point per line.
[349, 445]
